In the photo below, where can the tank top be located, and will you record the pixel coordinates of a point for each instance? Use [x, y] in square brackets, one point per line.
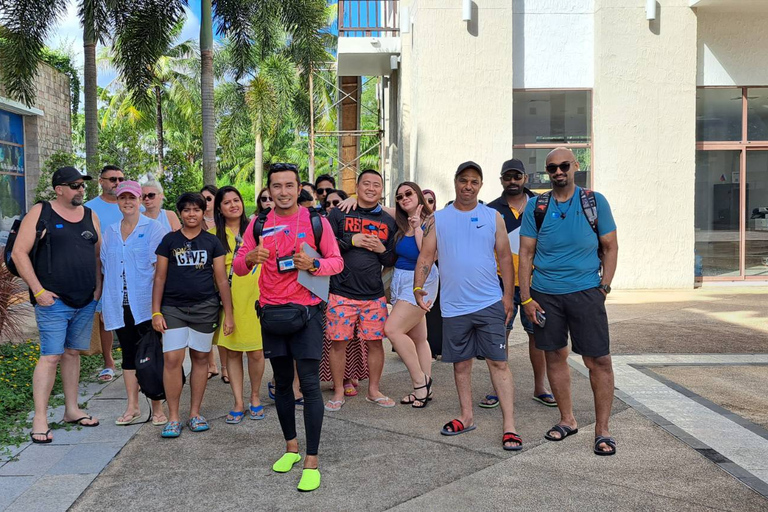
[72, 271]
[466, 244]
[407, 253]
[162, 218]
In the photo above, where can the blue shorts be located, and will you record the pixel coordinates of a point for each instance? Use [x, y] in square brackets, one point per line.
[63, 327]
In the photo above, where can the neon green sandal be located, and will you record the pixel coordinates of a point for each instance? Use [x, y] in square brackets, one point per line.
[310, 480]
[286, 462]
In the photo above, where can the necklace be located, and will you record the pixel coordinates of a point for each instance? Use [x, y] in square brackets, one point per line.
[520, 208]
[562, 213]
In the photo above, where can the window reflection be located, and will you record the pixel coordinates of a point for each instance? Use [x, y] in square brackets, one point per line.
[556, 117]
[718, 114]
[757, 116]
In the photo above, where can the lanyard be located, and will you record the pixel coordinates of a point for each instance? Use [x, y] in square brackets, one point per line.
[296, 235]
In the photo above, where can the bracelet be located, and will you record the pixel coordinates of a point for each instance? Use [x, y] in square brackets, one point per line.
[417, 288]
[156, 314]
[527, 301]
[42, 291]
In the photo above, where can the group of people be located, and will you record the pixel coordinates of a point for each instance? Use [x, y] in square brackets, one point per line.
[208, 275]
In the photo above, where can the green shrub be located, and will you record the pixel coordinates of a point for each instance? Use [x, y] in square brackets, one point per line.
[180, 176]
[44, 190]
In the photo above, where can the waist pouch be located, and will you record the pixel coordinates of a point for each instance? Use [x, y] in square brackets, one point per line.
[283, 319]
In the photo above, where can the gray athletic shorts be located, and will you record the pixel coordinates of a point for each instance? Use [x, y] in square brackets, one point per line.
[202, 317]
[481, 333]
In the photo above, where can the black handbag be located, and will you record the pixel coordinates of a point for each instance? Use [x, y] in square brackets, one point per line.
[283, 319]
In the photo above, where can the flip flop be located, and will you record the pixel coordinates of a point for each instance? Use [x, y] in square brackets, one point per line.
[271, 390]
[212, 375]
[563, 430]
[285, 463]
[350, 390]
[109, 373]
[79, 420]
[158, 423]
[511, 436]
[330, 405]
[381, 401]
[457, 428]
[310, 480]
[611, 442]
[546, 399]
[237, 417]
[489, 398]
[257, 413]
[135, 419]
[43, 441]
[300, 401]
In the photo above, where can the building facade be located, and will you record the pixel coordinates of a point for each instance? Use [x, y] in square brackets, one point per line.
[665, 105]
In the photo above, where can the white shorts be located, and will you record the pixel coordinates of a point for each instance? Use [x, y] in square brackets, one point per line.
[183, 337]
[402, 286]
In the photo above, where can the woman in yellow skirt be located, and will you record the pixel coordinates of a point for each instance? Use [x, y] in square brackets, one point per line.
[230, 224]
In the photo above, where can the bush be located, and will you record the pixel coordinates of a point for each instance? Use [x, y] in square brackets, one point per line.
[180, 176]
[44, 191]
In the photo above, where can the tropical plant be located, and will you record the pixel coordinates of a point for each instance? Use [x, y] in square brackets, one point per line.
[44, 191]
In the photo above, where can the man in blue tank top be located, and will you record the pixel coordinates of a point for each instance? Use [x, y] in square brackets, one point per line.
[564, 245]
[468, 236]
[64, 279]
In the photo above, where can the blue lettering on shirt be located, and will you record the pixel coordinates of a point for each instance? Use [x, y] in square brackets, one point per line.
[474, 219]
[141, 235]
[59, 226]
[301, 235]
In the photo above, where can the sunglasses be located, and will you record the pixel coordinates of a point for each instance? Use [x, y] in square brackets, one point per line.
[430, 201]
[283, 167]
[563, 166]
[74, 186]
[150, 195]
[265, 199]
[209, 198]
[407, 193]
[114, 179]
[513, 176]
[324, 191]
[335, 202]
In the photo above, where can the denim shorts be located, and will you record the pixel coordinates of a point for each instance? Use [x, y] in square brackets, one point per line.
[63, 327]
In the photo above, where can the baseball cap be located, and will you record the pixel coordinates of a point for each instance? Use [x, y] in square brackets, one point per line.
[512, 165]
[468, 165]
[67, 175]
[131, 187]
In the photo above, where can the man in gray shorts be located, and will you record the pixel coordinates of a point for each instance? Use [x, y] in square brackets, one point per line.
[468, 237]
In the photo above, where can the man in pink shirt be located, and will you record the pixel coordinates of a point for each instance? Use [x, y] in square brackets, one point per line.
[291, 315]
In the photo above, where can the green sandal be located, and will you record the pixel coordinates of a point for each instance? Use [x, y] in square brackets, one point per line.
[310, 480]
[285, 463]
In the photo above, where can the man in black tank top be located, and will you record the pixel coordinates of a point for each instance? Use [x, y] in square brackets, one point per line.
[64, 279]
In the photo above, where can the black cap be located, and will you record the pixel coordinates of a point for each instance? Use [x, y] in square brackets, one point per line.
[512, 165]
[68, 175]
[468, 165]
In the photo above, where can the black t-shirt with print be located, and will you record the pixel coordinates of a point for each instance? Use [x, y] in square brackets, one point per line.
[190, 278]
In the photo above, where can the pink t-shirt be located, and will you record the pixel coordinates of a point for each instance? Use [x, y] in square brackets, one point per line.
[282, 236]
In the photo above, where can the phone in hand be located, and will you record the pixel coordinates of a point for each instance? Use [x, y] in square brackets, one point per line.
[540, 319]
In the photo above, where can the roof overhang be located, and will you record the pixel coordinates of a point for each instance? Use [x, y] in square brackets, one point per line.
[731, 5]
[367, 56]
[17, 107]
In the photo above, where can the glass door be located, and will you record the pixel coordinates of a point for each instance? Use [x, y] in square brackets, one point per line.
[756, 239]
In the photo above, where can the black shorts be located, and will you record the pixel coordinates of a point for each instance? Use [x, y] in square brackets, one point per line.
[305, 344]
[130, 335]
[582, 314]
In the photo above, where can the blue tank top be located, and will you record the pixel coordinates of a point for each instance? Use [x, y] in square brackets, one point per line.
[466, 244]
[407, 253]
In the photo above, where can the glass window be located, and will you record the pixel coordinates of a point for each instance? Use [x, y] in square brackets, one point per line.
[718, 114]
[716, 213]
[534, 161]
[552, 117]
[757, 116]
[756, 263]
[12, 186]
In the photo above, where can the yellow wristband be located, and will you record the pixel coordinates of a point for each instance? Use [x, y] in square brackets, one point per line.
[156, 314]
[42, 291]
[418, 288]
[528, 301]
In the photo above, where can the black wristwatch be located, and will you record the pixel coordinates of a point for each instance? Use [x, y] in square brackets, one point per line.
[606, 288]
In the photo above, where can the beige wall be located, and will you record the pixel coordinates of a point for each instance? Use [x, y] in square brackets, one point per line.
[456, 93]
[644, 137]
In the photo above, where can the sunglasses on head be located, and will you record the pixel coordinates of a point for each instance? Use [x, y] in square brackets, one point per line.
[324, 191]
[74, 186]
[563, 166]
[149, 195]
[407, 193]
[283, 167]
[114, 179]
[265, 199]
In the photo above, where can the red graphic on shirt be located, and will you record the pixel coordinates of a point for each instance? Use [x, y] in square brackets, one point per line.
[367, 227]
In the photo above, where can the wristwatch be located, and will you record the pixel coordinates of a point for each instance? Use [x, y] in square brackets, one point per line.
[315, 266]
[606, 288]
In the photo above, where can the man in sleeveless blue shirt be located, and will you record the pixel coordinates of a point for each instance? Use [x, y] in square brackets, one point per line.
[64, 279]
[469, 236]
[568, 243]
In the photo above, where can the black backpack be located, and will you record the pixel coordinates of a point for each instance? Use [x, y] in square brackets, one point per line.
[149, 366]
[42, 227]
[314, 219]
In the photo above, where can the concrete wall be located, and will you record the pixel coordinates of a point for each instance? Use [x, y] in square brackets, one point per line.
[553, 44]
[458, 103]
[644, 137]
[732, 48]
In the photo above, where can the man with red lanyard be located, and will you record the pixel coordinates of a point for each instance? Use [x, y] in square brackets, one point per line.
[291, 316]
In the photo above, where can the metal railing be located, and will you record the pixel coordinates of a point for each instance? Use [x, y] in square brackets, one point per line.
[368, 18]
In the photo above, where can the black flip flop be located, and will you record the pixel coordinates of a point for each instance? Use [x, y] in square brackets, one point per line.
[457, 428]
[38, 441]
[78, 420]
[611, 442]
[563, 430]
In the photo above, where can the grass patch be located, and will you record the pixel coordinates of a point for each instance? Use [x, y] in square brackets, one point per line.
[17, 364]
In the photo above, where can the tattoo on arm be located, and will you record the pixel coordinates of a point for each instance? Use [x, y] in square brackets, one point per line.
[425, 271]
[429, 225]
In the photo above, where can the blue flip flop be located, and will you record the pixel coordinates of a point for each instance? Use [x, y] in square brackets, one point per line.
[271, 390]
[489, 398]
[257, 413]
[542, 399]
[237, 417]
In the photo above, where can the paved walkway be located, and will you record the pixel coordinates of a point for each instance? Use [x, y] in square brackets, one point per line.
[677, 451]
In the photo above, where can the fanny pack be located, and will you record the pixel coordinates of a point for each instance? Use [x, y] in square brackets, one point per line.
[283, 319]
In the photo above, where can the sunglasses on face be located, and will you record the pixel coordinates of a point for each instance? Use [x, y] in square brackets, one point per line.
[209, 198]
[407, 193]
[430, 201]
[114, 179]
[75, 186]
[513, 176]
[149, 195]
[324, 191]
[563, 166]
[335, 202]
[265, 199]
